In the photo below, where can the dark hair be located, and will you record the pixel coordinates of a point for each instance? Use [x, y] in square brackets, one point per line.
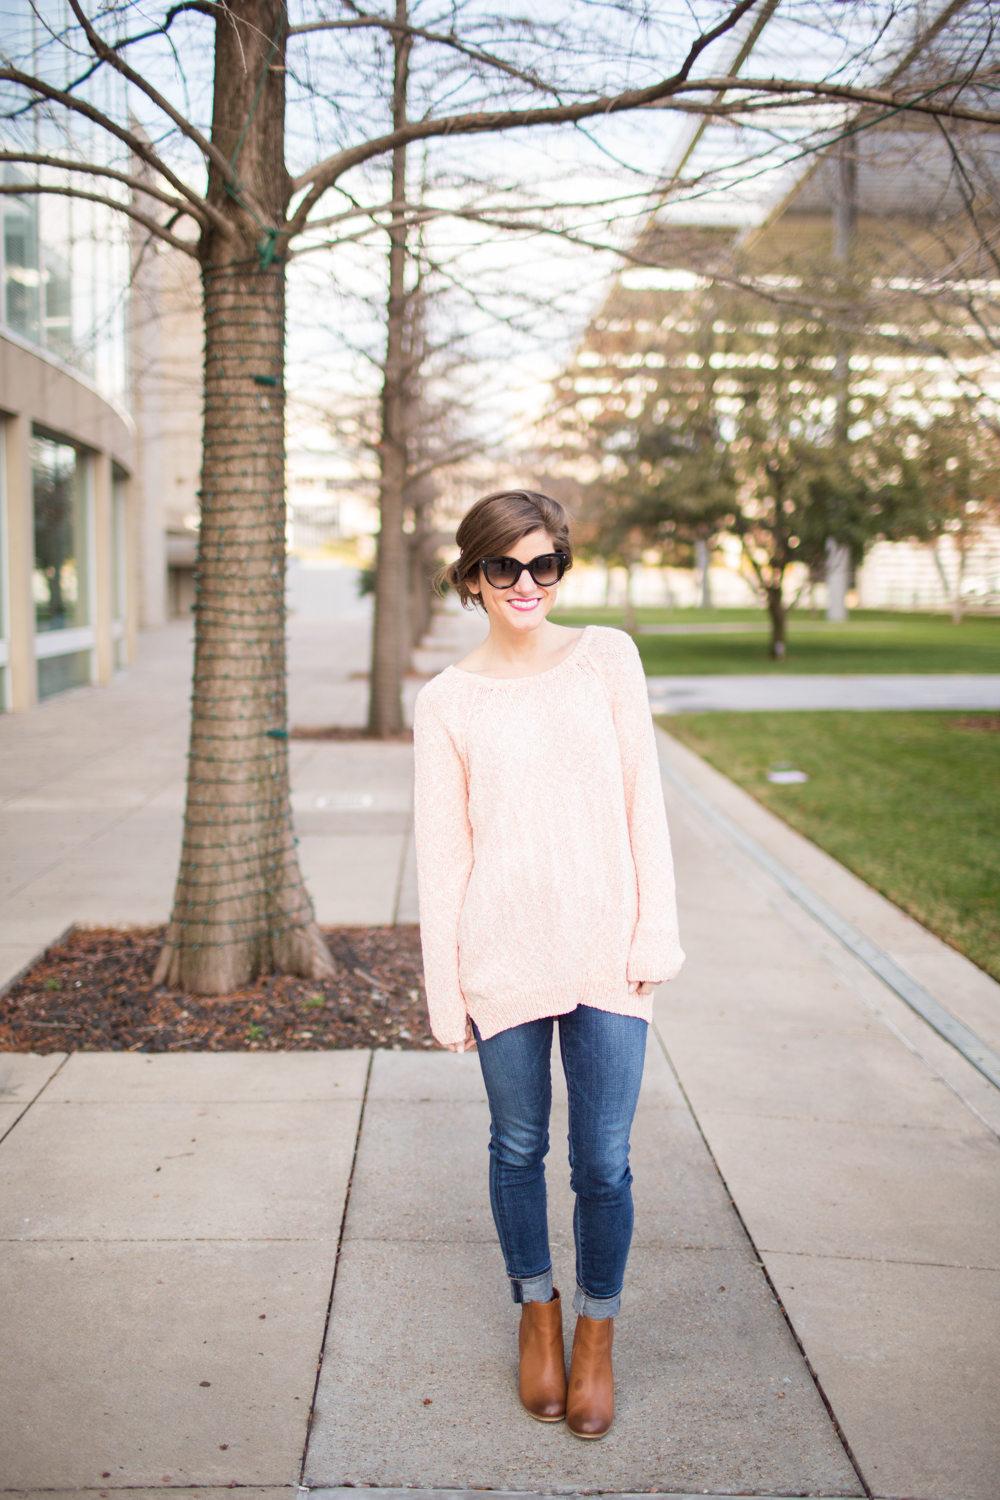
[498, 522]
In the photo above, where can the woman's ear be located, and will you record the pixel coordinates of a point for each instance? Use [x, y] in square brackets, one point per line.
[472, 583]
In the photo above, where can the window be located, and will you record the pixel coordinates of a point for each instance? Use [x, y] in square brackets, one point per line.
[61, 585]
[60, 579]
[57, 673]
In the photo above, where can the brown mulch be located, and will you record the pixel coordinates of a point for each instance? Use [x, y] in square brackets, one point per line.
[93, 992]
[335, 732]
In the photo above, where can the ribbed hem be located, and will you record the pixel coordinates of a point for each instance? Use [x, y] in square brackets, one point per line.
[494, 1016]
[596, 1307]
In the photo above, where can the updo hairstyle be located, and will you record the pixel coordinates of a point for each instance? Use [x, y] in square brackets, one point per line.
[496, 523]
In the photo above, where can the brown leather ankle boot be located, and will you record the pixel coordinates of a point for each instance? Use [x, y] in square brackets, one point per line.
[542, 1381]
[590, 1402]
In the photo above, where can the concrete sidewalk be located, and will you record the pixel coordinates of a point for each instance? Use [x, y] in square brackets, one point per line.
[817, 1183]
[740, 694]
[860, 1149]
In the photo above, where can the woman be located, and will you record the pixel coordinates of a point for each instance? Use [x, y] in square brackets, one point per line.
[546, 889]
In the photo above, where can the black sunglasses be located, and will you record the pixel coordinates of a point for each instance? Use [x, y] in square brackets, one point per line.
[504, 572]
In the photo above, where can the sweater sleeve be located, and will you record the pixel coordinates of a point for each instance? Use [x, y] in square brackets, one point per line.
[443, 838]
[656, 952]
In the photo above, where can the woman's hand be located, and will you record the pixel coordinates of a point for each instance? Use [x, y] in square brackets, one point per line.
[642, 986]
[468, 1044]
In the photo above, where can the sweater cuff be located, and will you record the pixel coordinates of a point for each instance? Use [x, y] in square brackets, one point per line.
[450, 1028]
[657, 965]
[449, 1041]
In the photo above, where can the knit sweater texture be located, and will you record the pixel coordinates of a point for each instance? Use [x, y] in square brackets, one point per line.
[543, 857]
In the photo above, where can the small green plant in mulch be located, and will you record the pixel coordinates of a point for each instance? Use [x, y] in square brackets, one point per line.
[908, 801]
[94, 992]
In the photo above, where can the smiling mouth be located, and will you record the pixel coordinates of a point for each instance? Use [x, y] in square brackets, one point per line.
[523, 604]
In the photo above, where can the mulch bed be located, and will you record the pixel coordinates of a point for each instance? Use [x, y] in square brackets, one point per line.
[93, 992]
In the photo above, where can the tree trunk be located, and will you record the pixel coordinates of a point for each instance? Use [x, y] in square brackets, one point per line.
[845, 213]
[776, 609]
[958, 607]
[838, 578]
[420, 542]
[936, 554]
[390, 632]
[703, 562]
[628, 619]
[241, 908]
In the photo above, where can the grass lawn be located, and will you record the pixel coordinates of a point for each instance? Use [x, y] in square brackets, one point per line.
[873, 641]
[908, 801]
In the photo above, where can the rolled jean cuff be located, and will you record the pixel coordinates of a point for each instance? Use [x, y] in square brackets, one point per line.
[596, 1307]
[532, 1288]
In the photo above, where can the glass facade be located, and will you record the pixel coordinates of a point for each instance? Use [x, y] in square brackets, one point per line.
[21, 270]
[65, 276]
[65, 261]
[60, 583]
[57, 673]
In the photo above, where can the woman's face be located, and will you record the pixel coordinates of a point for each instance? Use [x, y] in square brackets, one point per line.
[525, 605]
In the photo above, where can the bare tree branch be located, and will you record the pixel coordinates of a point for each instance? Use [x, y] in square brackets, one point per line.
[925, 37]
[137, 184]
[108, 54]
[385, 23]
[127, 137]
[850, 93]
[325, 174]
[22, 190]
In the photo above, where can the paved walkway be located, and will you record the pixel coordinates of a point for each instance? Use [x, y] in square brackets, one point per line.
[957, 690]
[815, 1285]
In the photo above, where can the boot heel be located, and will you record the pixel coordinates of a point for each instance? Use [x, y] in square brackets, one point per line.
[590, 1401]
[542, 1373]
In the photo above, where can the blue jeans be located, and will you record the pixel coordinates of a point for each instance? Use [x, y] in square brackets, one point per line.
[602, 1057]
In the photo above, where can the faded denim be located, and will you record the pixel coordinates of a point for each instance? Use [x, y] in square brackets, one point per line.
[602, 1056]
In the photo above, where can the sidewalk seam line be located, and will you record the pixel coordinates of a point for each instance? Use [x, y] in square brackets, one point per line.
[920, 1001]
[33, 1100]
[333, 1281]
[778, 1300]
[884, 1260]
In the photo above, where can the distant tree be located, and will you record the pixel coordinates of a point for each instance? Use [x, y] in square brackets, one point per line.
[958, 473]
[670, 480]
[746, 426]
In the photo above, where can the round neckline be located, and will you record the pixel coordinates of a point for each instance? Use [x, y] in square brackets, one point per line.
[531, 676]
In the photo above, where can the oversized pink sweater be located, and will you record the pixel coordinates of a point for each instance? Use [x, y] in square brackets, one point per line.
[543, 857]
